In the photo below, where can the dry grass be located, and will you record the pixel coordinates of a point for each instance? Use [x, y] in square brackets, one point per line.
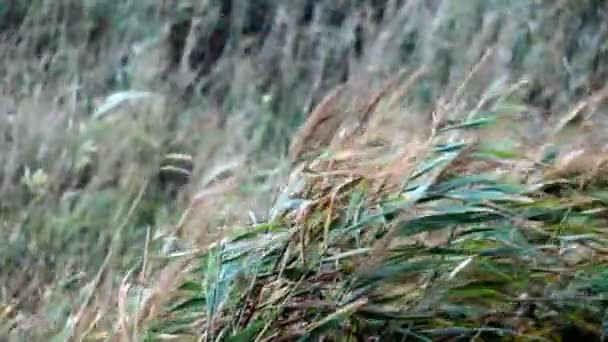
[83, 254]
[438, 242]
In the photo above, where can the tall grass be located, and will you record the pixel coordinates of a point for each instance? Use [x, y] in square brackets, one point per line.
[449, 238]
[74, 217]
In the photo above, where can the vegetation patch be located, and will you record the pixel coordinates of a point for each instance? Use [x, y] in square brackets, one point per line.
[306, 169]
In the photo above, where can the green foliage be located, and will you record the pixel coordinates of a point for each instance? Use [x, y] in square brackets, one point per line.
[68, 176]
[503, 270]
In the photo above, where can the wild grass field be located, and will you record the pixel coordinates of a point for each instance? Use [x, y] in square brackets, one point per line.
[360, 170]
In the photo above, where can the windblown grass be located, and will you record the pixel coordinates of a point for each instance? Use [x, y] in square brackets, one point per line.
[93, 240]
[451, 238]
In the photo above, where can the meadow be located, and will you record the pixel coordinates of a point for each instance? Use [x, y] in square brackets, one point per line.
[303, 170]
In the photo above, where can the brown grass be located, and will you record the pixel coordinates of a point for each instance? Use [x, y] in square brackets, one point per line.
[375, 126]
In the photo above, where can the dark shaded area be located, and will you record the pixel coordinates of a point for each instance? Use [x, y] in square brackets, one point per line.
[178, 34]
[257, 22]
[12, 15]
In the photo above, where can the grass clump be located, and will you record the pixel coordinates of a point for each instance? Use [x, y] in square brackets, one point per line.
[450, 238]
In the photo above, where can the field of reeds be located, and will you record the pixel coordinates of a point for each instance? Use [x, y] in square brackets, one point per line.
[303, 170]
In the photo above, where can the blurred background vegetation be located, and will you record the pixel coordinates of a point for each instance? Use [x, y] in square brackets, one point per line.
[97, 96]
